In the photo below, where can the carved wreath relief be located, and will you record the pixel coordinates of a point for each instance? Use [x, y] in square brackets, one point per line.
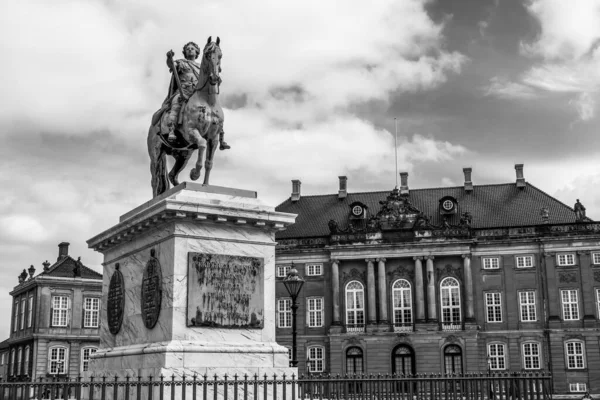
[225, 291]
[151, 291]
[115, 301]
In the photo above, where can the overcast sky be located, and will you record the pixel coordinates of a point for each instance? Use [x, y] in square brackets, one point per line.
[310, 90]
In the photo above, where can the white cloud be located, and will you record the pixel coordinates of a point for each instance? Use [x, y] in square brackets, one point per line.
[20, 227]
[506, 89]
[568, 48]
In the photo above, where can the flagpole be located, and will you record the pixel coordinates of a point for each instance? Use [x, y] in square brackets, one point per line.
[396, 149]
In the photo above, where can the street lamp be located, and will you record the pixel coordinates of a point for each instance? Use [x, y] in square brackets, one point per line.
[293, 283]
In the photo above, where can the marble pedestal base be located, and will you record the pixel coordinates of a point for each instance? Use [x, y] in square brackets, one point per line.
[165, 234]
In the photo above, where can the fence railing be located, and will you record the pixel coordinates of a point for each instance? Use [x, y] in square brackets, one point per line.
[510, 386]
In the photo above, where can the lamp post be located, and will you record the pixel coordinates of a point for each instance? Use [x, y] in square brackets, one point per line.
[293, 284]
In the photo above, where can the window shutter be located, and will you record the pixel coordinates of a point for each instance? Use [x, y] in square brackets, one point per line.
[51, 316]
[83, 315]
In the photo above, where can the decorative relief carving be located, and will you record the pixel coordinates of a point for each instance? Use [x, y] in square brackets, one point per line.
[401, 272]
[225, 291]
[115, 301]
[151, 291]
[354, 274]
[452, 339]
[567, 277]
[449, 270]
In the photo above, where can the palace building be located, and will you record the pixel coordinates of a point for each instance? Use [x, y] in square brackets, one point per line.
[475, 278]
[55, 320]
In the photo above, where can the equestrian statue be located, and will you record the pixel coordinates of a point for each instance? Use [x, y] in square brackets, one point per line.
[191, 117]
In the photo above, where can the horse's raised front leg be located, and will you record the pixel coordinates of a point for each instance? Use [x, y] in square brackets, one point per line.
[181, 160]
[198, 140]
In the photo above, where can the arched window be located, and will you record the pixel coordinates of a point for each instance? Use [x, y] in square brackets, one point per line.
[450, 295]
[86, 352]
[403, 360]
[354, 360]
[355, 306]
[57, 360]
[453, 359]
[26, 362]
[402, 305]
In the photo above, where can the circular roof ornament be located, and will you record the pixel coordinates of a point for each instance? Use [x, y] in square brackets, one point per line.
[448, 205]
[357, 210]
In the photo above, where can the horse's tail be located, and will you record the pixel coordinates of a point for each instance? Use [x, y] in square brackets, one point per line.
[158, 162]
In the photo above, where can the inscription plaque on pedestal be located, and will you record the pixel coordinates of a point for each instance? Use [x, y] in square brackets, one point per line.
[116, 301]
[225, 291]
[151, 291]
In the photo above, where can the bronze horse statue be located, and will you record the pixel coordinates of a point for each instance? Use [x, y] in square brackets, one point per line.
[201, 123]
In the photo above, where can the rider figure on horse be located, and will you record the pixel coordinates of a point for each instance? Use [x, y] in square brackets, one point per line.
[188, 71]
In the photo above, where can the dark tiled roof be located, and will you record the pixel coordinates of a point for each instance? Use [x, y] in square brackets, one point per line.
[4, 344]
[66, 266]
[491, 206]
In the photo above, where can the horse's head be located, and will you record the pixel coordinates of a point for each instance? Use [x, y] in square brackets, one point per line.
[212, 61]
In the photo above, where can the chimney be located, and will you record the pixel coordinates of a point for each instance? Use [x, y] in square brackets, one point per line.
[404, 183]
[343, 192]
[63, 250]
[468, 182]
[520, 178]
[296, 190]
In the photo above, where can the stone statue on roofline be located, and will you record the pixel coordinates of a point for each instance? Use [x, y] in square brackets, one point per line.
[579, 211]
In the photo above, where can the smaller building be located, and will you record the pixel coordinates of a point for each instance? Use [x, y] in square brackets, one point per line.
[55, 320]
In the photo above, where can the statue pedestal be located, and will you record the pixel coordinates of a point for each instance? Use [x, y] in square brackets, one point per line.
[197, 266]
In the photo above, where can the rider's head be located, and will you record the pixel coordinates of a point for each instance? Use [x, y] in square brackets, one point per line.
[191, 46]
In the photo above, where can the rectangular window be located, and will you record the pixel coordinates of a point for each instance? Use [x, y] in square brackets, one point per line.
[531, 355]
[570, 305]
[282, 271]
[91, 315]
[494, 307]
[60, 307]
[575, 358]
[598, 301]
[30, 312]
[491, 262]
[316, 359]
[26, 362]
[13, 364]
[315, 312]
[565, 259]
[58, 360]
[23, 307]
[527, 306]
[19, 360]
[596, 258]
[85, 358]
[284, 313]
[314, 269]
[524, 261]
[497, 356]
[16, 316]
[577, 387]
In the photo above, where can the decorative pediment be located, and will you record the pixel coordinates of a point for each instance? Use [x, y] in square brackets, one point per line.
[397, 212]
[401, 272]
[353, 274]
[449, 270]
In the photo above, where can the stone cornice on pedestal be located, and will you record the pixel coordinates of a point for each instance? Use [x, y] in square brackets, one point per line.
[190, 201]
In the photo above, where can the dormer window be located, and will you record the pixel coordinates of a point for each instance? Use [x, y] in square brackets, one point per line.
[358, 210]
[448, 205]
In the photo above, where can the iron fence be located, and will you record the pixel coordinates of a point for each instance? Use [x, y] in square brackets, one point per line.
[509, 386]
